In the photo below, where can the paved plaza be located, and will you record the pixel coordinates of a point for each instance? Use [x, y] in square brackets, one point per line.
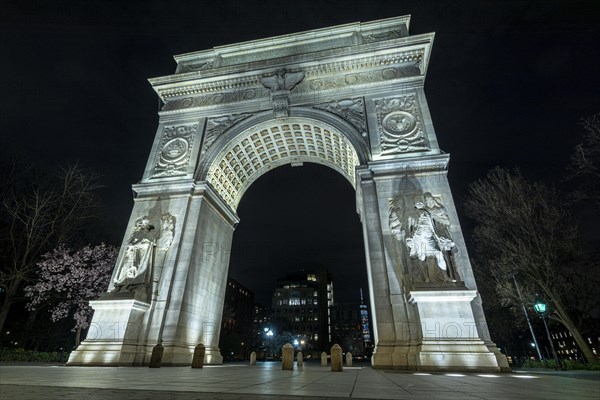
[268, 381]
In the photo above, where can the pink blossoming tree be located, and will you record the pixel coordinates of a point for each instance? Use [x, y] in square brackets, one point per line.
[68, 279]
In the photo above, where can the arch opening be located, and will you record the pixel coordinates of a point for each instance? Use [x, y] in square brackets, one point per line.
[272, 143]
[296, 221]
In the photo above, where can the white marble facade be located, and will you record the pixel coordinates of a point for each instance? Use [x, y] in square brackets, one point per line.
[349, 97]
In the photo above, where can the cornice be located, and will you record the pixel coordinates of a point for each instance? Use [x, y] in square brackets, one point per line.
[194, 84]
[309, 41]
[431, 164]
[171, 188]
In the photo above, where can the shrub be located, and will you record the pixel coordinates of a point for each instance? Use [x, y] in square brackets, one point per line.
[22, 355]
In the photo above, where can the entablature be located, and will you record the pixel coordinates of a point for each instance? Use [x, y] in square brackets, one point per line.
[385, 61]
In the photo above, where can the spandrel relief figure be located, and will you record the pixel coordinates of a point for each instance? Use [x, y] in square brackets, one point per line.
[167, 226]
[424, 230]
[138, 257]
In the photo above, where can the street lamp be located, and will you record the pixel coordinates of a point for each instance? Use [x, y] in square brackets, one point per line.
[542, 309]
[535, 343]
[269, 334]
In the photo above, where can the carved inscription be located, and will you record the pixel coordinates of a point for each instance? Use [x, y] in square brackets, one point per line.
[363, 78]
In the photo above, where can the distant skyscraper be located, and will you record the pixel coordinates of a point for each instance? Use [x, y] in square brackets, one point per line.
[365, 323]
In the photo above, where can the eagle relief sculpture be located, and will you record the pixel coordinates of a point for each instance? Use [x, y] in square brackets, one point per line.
[282, 80]
[424, 231]
[280, 85]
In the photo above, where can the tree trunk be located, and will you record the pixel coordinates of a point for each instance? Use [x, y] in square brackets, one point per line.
[572, 328]
[4, 311]
[11, 290]
[32, 317]
[78, 337]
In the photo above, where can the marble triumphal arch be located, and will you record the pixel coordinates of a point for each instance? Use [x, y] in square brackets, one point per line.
[349, 97]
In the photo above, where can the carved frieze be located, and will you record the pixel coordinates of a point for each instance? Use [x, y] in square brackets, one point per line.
[400, 125]
[363, 78]
[175, 150]
[214, 99]
[315, 78]
[352, 110]
[216, 126]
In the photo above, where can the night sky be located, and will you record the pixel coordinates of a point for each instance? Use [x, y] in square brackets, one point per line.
[507, 84]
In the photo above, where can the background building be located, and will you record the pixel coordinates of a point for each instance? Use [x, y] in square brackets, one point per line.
[261, 317]
[350, 328]
[302, 307]
[237, 323]
[567, 349]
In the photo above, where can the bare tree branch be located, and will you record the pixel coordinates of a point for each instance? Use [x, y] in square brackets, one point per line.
[523, 229]
[35, 218]
[585, 163]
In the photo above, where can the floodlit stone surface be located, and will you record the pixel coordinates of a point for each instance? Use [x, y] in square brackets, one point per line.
[349, 97]
[450, 337]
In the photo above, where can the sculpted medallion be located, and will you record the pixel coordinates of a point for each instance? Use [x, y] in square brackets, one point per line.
[176, 148]
[400, 125]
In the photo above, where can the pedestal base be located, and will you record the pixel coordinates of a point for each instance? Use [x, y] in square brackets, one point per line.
[395, 356]
[114, 333]
[114, 338]
[177, 355]
[452, 355]
[450, 340]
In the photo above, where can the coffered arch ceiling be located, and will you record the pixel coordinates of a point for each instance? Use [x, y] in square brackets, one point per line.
[276, 142]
